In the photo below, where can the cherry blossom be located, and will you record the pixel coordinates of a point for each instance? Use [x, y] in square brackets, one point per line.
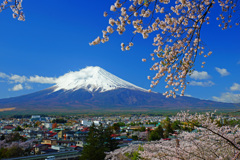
[16, 7]
[177, 33]
[210, 141]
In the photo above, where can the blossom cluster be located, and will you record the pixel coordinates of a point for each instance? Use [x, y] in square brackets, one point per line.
[209, 142]
[16, 7]
[24, 145]
[176, 28]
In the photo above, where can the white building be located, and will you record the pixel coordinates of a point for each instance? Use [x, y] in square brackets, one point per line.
[48, 125]
[86, 123]
[36, 116]
[97, 123]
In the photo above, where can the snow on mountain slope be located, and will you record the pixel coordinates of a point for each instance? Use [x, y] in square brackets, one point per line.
[92, 79]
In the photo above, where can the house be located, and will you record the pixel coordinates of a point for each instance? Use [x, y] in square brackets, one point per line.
[62, 134]
[40, 147]
[62, 148]
[115, 135]
[66, 143]
[97, 123]
[48, 125]
[40, 135]
[85, 129]
[58, 148]
[8, 129]
[31, 135]
[131, 129]
[149, 126]
[53, 136]
[86, 123]
[49, 141]
[35, 118]
[81, 135]
[79, 143]
[77, 148]
[69, 135]
[54, 125]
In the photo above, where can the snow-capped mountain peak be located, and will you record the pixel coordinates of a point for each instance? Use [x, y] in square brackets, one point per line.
[92, 79]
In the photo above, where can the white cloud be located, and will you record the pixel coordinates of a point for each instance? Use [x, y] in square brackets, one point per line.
[3, 75]
[203, 84]
[187, 95]
[200, 75]
[235, 87]
[23, 79]
[18, 79]
[27, 87]
[228, 97]
[17, 87]
[222, 72]
[40, 79]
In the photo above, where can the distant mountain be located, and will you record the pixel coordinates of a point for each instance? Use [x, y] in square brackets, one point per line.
[93, 88]
[92, 79]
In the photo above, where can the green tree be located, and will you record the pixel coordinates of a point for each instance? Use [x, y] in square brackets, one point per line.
[59, 120]
[18, 128]
[116, 127]
[142, 129]
[93, 145]
[176, 125]
[2, 137]
[110, 144]
[135, 137]
[26, 125]
[15, 151]
[159, 130]
[121, 124]
[167, 125]
[153, 136]
[14, 137]
[99, 141]
[157, 134]
[135, 155]
[3, 152]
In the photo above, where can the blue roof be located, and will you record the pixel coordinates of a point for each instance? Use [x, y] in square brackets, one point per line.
[78, 132]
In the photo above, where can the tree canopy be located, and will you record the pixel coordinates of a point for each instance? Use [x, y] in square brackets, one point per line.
[98, 142]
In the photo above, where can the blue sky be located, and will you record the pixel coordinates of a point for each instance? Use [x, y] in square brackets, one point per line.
[55, 38]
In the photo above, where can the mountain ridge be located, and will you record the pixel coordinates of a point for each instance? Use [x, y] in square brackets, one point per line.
[94, 88]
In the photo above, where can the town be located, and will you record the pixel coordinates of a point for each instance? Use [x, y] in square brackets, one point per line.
[56, 136]
[39, 135]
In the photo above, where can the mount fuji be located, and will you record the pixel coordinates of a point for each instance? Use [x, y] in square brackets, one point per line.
[95, 89]
[92, 79]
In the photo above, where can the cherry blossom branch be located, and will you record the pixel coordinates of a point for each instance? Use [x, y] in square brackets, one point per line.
[177, 28]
